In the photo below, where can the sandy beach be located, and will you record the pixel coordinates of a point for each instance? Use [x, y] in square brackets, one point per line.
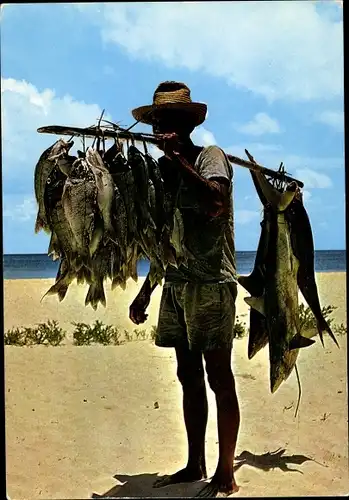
[81, 422]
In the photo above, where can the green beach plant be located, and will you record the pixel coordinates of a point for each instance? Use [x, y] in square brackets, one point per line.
[98, 333]
[15, 336]
[43, 334]
[51, 334]
[307, 320]
[240, 330]
[153, 330]
[140, 334]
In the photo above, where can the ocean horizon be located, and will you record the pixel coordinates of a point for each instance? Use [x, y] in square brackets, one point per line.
[40, 266]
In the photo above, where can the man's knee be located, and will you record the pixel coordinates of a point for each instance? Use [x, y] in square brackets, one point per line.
[219, 374]
[190, 371]
[221, 382]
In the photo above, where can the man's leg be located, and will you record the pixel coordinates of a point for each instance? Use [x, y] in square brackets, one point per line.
[221, 380]
[190, 373]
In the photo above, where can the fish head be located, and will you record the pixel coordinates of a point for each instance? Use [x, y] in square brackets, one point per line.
[59, 148]
[282, 369]
[278, 200]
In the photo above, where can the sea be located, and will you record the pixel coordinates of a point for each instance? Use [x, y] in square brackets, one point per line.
[26, 266]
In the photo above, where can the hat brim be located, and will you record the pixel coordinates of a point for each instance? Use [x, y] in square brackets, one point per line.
[198, 110]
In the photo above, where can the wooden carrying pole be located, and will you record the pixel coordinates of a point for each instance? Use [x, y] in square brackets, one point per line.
[122, 134]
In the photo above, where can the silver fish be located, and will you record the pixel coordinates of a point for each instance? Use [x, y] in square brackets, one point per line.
[43, 170]
[105, 190]
[79, 205]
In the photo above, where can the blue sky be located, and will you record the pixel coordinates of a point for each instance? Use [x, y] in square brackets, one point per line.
[271, 74]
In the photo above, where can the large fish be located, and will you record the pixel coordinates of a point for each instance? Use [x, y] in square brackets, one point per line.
[79, 205]
[177, 238]
[279, 302]
[141, 178]
[254, 284]
[303, 248]
[158, 185]
[123, 179]
[119, 221]
[43, 170]
[105, 190]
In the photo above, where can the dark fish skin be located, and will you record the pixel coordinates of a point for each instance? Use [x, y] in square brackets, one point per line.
[99, 272]
[65, 276]
[105, 190]
[110, 155]
[141, 178]
[254, 284]
[79, 202]
[171, 182]
[123, 179]
[119, 221]
[303, 248]
[65, 238]
[54, 249]
[156, 178]
[43, 170]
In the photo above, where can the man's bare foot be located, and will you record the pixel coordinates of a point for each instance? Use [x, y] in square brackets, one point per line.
[218, 489]
[185, 475]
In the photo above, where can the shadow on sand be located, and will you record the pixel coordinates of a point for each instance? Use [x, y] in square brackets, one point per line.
[272, 460]
[141, 485]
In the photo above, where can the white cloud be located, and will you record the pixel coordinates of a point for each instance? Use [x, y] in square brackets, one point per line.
[306, 195]
[313, 179]
[18, 208]
[203, 137]
[334, 119]
[259, 125]
[246, 216]
[279, 50]
[24, 109]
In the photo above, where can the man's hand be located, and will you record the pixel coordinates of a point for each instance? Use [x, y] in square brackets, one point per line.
[170, 144]
[138, 308]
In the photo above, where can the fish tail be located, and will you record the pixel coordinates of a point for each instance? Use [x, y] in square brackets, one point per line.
[83, 275]
[60, 288]
[111, 234]
[95, 295]
[323, 326]
[84, 260]
[40, 223]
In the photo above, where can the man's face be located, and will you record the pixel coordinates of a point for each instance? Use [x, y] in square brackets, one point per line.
[167, 121]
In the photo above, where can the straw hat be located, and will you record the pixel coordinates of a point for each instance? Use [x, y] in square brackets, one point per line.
[171, 95]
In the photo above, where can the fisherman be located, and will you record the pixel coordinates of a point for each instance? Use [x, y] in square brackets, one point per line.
[197, 310]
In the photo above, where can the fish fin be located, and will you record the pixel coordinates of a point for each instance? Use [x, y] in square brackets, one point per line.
[95, 294]
[111, 234]
[298, 341]
[257, 303]
[252, 283]
[60, 288]
[323, 326]
[115, 282]
[39, 224]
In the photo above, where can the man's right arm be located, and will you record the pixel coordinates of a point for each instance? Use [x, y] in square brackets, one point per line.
[141, 302]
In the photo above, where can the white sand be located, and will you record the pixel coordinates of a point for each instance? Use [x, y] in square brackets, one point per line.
[81, 420]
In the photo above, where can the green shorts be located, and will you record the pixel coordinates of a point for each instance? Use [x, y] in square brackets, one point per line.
[201, 315]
